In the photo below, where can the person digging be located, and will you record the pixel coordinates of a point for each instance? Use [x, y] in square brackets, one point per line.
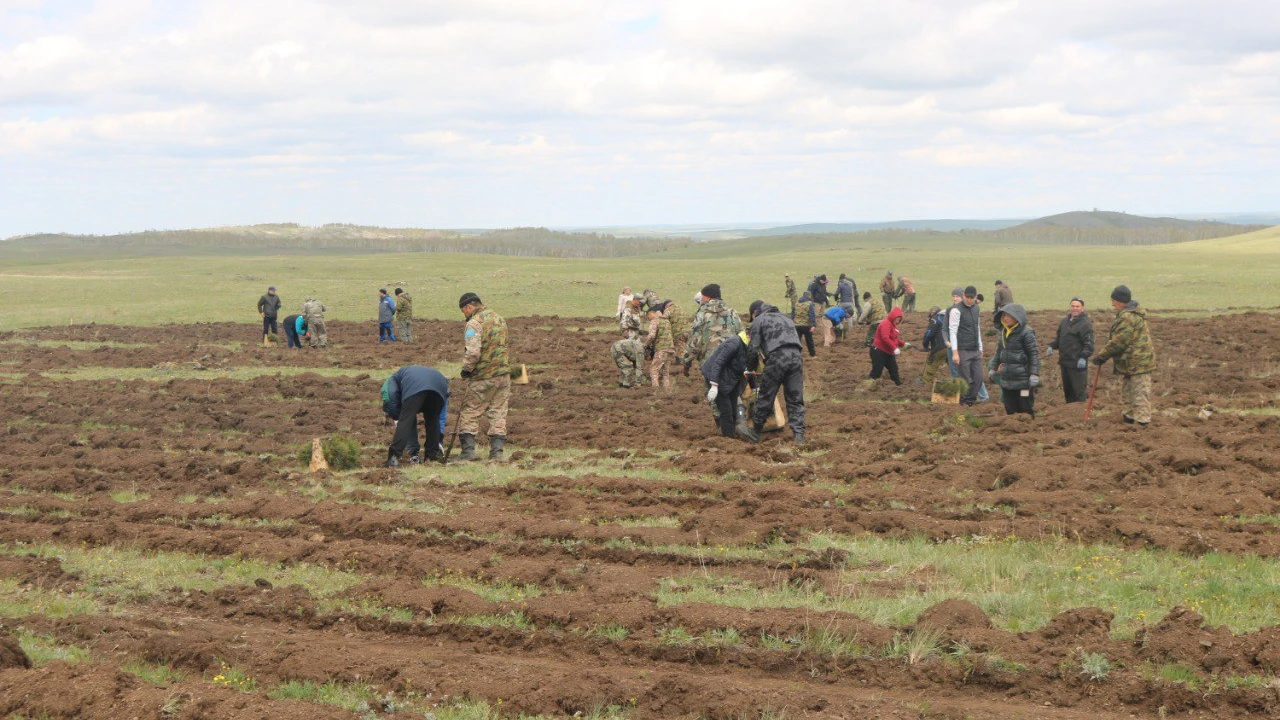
[411, 391]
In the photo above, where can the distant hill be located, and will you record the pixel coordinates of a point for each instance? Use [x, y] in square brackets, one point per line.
[818, 228]
[1103, 227]
[288, 237]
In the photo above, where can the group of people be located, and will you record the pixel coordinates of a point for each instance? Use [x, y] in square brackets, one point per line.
[654, 329]
[395, 319]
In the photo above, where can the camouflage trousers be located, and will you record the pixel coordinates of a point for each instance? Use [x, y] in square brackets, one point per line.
[404, 330]
[486, 398]
[319, 334]
[937, 360]
[1137, 397]
[660, 368]
[628, 355]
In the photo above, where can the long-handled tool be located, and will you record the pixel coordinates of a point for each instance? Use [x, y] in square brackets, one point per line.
[1092, 390]
[457, 421]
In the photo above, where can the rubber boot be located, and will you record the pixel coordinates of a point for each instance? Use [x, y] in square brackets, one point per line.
[468, 447]
[799, 438]
[750, 434]
[392, 460]
[495, 448]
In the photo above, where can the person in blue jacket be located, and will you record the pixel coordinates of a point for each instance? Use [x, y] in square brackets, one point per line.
[410, 391]
[386, 313]
[837, 315]
[295, 329]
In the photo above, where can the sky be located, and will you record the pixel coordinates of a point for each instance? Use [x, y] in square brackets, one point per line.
[123, 115]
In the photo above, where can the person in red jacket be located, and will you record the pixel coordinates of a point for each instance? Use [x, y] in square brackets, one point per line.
[886, 346]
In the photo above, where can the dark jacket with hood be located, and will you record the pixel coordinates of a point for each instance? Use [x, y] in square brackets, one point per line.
[409, 381]
[1017, 350]
[1074, 340]
[727, 363]
[818, 291]
[771, 331]
[846, 291]
[269, 305]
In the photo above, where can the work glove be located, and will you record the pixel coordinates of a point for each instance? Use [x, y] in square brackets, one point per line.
[1099, 360]
[1035, 381]
[897, 351]
[1082, 364]
[713, 392]
[1048, 353]
[466, 374]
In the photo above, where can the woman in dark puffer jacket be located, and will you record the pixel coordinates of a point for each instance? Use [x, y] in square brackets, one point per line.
[1016, 364]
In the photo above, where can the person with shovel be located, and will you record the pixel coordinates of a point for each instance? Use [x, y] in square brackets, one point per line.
[773, 335]
[487, 369]
[411, 391]
[1130, 344]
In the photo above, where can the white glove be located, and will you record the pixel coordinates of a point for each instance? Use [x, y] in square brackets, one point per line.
[897, 351]
[713, 392]
[1035, 380]
[1048, 353]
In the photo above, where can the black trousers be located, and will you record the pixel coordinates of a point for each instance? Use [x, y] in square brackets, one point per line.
[782, 369]
[881, 360]
[1015, 402]
[1075, 383]
[269, 325]
[806, 334]
[429, 405]
[728, 397]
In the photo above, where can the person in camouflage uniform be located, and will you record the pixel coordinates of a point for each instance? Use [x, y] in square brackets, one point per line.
[887, 290]
[791, 291]
[681, 324]
[628, 353]
[661, 348]
[650, 298]
[404, 316]
[873, 311]
[804, 315]
[1130, 344]
[487, 369]
[313, 313]
[714, 323]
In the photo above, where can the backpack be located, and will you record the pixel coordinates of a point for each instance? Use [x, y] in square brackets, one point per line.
[933, 334]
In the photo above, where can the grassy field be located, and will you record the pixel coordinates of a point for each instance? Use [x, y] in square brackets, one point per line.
[1200, 276]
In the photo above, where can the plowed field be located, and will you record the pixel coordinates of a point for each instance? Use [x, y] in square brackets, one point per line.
[163, 545]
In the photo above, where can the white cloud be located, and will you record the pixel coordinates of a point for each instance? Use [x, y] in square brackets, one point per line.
[503, 112]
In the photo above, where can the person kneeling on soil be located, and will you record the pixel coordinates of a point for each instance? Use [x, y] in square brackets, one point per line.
[295, 330]
[410, 391]
[724, 370]
[886, 347]
[1016, 365]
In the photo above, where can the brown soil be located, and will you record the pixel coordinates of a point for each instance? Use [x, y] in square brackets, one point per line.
[899, 467]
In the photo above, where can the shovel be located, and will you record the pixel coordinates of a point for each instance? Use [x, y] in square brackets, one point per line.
[457, 422]
[1089, 408]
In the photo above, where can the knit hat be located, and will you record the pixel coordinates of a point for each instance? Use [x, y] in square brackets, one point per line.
[970, 291]
[1122, 294]
[711, 292]
[755, 307]
[273, 287]
[467, 299]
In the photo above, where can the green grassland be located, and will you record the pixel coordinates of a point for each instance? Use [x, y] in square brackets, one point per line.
[1203, 275]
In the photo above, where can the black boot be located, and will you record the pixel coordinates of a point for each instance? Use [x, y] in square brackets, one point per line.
[468, 447]
[392, 460]
[799, 438]
[750, 434]
[495, 448]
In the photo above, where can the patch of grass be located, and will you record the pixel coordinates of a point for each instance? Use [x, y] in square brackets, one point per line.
[1095, 666]
[340, 451]
[1021, 584]
[491, 590]
[131, 495]
[669, 521]
[234, 678]
[615, 633]
[365, 607]
[348, 696]
[154, 673]
[1253, 519]
[18, 600]
[676, 636]
[236, 372]
[128, 574]
[43, 649]
[915, 646]
[73, 344]
[514, 620]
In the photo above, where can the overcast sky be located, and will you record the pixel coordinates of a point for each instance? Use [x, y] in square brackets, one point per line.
[129, 114]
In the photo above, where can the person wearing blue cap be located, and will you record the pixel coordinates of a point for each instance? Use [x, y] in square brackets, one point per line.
[269, 309]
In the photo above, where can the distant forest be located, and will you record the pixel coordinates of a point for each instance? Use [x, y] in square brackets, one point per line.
[520, 242]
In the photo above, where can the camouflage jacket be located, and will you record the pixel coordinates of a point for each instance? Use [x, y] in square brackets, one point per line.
[661, 338]
[886, 285]
[791, 289]
[712, 324]
[313, 310]
[650, 299]
[629, 323]
[804, 314]
[404, 306]
[679, 321]
[1130, 342]
[872, 311]
[486, 342]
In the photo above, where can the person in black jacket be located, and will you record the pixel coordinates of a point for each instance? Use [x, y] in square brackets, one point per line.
[1016, 364]
[724, 369]
[818, 291]
[1074, 345]
[773, 335]
[410, 391]
[269, 308]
